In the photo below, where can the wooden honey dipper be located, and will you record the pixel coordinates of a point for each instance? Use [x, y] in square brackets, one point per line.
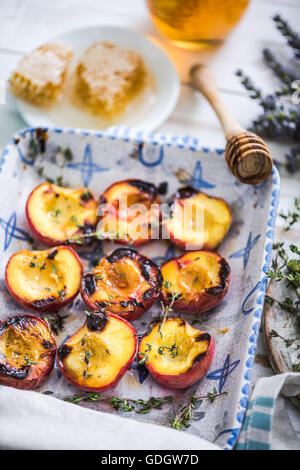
[247, 155]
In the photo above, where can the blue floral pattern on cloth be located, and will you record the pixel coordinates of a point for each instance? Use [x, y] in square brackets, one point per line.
[245, 252]
[221, 374]
[156, 157]
[87, 167]
[12, 231]
[197, 180]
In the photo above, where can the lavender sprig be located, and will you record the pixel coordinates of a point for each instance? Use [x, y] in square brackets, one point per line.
[293, 38]
[279, 119]
[284, 74]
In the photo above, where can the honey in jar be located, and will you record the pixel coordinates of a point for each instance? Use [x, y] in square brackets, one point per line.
[192, 23]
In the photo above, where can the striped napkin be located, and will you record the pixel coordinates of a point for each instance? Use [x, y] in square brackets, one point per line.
[270, 418]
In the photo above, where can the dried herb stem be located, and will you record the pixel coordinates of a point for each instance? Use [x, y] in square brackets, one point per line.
[124, 404]
[185, 415]
[166, 309]
[288, 342]
[286, 305]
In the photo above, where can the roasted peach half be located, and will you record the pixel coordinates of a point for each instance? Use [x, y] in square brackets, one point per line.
[44, 281]
[97, 356]
[130, 212]
[125, 282]
[177, 355]
[57, 215]
[197, 220]
[27, 351]
[198, 279]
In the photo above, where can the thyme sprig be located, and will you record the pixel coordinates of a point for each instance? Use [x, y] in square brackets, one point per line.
[166, 309]
[184, 417]
[98, 235]
[124, 404]
[78, 239]
[286, 269]
[288, 305]
[29, 361]
[127, 405]
[292, 216]
[56, 324]
[61, 156]
[288, 342]
[173, 350]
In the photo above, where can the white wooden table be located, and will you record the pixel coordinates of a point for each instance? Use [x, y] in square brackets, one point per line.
[26, 23]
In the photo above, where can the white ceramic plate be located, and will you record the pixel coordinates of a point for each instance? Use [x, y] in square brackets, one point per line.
[147, 111]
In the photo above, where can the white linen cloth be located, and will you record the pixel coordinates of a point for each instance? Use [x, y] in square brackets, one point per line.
[30, 420]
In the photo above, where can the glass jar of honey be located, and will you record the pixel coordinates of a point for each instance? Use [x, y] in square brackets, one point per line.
[194, 23]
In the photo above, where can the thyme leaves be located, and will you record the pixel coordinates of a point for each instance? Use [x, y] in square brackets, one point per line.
[56, 323]
[292, 216]
[166, 309]
[184, 417]
[124, 404]
[286, 269]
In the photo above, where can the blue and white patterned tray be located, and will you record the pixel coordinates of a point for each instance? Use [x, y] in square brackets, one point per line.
[100, 159]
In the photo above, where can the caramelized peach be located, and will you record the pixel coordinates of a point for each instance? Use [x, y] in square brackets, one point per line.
[130, 212]
[56, 215]
[97, 356]
[27, 351]
[198, 279]
[125, 282]
[197, 220]
[177, 355]
[44, 281]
